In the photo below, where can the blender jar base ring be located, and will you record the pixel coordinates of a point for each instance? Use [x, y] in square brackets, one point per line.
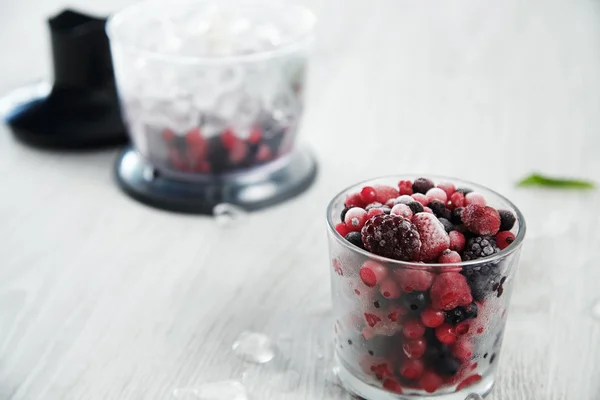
[250, 190]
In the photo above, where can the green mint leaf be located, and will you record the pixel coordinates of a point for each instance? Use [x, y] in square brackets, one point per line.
[546, 181]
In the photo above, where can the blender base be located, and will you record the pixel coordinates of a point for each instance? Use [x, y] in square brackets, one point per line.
[252, 189]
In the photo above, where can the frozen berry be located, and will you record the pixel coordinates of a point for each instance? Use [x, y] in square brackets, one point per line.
[405, 187]
[392, 385]
[471, 380]
[507, 220]
[449, 257]
[375, 211]
[432, 318]
[415, 207]
[413, 279]
[389, 289]
[420, 198]
[482, 279]
[372, 319]
[354, 200]
[411, 368]
[504, 239]
[413, 329]
[372, 205]
[415, 301]
[475, 198]
[439, 209]
[342, 229]
[427, 210]
[436, 194]
[343, 213]
[461, 313]
[422, 185]
[462, 349]
[457, 241]
[372, 273]
[368, 194]
[481, 220]
[414, 348]
[402, 210]
[457, 216]
[391, 236]
[404, 199]
[355, 238]
[464, 190]
[384, 193]
[450, 290]
[433, 236]
[446, 333]
[447, 187]
[355, 218]
[479, 247]
[448, 226]
[430, 381]
[457, 200]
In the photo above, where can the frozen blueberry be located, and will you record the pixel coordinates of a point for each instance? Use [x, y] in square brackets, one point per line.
[343, 214]
[422, 185]
[457, 216]
[507, 220]
[355, 238]
[439, 209]
[415, 301]
[448, 226]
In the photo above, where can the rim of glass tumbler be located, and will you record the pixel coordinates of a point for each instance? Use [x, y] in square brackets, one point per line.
[414, 264]
[303, 39]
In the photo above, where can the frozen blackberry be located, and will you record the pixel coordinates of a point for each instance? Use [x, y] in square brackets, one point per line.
[422, 185]
[355, 238]
[479, 247]
[464, 191]
[448, 226]
[439, 209]
[507, 220]
[391, 236]
[456, 217]
[482, 279]
[416, 302]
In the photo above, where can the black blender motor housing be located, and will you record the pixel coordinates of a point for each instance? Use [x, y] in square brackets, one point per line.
[82, 110]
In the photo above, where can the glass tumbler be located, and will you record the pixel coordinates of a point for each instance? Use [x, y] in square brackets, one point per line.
[384, 348]
[211, 87]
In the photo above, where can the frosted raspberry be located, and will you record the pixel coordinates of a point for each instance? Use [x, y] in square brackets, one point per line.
[391, 236]
[384, 193]
[436, 194]
[481, 220]
[434, 238]
[450, 290]
[405, 187]
[402, 210]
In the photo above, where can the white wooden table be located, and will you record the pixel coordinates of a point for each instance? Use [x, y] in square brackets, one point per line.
[103, 298]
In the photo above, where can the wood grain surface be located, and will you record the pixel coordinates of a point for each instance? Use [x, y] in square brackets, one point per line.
[103, 298]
